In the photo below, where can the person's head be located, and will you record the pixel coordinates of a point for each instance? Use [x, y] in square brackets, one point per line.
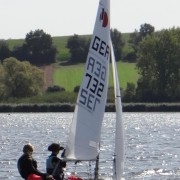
[28, 149]
[55, 148]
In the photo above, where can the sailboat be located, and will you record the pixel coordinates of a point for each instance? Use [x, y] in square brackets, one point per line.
[85, 132]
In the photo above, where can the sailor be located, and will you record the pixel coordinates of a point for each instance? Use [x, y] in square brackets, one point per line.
[54, 165]
[27, 166]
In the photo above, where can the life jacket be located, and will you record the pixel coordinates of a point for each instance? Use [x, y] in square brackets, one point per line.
[54, 168]
[49, 165]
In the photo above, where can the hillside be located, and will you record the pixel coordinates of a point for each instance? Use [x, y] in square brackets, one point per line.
[57, 74]
[60, 43]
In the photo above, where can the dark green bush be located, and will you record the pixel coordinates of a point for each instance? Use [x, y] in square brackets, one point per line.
[55, 88]
[76, 89]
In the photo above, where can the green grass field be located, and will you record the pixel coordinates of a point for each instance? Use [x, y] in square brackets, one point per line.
[71, 76]
[68, 76]
[60, 44]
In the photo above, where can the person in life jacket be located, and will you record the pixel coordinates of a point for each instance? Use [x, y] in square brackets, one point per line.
[54, 165]
[27, 166]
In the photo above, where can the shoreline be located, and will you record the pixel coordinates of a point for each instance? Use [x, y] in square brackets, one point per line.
[110, 107]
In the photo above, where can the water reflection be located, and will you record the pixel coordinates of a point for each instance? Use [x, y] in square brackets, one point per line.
[152, 143]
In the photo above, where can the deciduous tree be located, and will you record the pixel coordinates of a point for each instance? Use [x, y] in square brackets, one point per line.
[78, 47]
[2, 85]
[159, 66]
[20, 79]
[118, 43]
[4, 50]
[138, 35]
[39, 47]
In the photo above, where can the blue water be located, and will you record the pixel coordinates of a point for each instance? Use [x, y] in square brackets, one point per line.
[152, 143]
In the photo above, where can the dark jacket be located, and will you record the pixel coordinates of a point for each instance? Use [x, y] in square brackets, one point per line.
[27, 165]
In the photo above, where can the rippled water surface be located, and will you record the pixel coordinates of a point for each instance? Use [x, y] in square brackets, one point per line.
[152, 143]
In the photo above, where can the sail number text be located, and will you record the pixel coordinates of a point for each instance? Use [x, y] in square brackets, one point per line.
[92, 89]
[101, 47]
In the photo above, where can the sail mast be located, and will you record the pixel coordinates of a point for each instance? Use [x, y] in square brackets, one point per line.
[119, 132]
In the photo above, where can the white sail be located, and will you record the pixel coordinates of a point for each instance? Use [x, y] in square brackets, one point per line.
[84, 137]
[119, 134]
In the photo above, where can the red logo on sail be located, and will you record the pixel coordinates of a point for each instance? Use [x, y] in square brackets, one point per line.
[104, 18]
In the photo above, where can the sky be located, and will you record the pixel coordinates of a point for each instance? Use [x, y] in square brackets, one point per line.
[69, 17]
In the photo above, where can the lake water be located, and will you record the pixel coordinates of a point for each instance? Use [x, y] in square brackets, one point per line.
[152, 143]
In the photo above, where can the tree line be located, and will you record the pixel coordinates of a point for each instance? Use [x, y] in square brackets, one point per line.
[156, 53]
[38, 48]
